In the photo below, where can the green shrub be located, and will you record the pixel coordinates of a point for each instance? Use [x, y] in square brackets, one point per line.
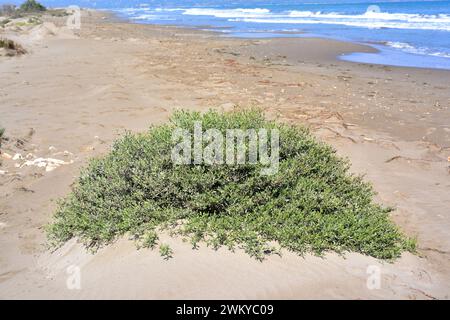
[31, 6]
[313, 204]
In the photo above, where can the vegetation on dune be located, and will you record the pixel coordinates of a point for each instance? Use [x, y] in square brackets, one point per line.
[57, 12]
[313, 204]
[28, 7]
[12, 47]
[32, 6]
[2, 132]
[165, 251]
[4, 22]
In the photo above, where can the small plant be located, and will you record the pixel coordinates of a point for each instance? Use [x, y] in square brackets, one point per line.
[2, 132]
[32, 6]
[12, 47]
[165, 251]
[149, 240]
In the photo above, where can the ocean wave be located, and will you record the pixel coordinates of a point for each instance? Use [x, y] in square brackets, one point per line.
[228, 13]
[369, 19]
[406, 47]
[369, 24]
[370, 15]
[144, 17]
[168, 9]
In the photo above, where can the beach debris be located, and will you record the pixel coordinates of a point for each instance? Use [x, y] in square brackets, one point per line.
[227, 106]
[393, 158]
[448, 159]
[51, 148]
[31, 132]
[20, 143]
[24, 189]
[6, 155]
[17, 156]
[65, 153]
[87, 148]
[3, 172]
[48, 163]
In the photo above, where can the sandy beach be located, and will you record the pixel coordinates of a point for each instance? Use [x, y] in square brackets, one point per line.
[75, 91]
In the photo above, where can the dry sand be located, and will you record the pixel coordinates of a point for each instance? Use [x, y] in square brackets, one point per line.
[75, 92]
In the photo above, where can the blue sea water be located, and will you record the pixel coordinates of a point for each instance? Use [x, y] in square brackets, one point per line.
[406, 33]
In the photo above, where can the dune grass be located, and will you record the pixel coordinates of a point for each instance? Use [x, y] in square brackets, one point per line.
[313, 204]
[13, 47]
[2, 133]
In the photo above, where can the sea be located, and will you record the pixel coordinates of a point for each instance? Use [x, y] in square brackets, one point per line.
[406, 33]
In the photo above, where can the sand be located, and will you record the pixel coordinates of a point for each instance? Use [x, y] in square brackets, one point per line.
[74, 93]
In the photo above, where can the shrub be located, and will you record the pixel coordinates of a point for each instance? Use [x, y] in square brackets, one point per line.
[313, 204]
[31, 6]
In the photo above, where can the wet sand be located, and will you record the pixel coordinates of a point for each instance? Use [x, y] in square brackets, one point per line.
[74, 93]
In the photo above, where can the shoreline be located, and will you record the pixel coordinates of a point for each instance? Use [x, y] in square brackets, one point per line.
[363, 48]
[112, 77]
[389, 52]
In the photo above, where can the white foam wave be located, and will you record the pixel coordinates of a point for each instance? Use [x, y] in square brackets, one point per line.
[370, 15]
[145, 17]
[228, 13]
[420, 50]
[369, 19]
[168, 9]
[366, 23]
